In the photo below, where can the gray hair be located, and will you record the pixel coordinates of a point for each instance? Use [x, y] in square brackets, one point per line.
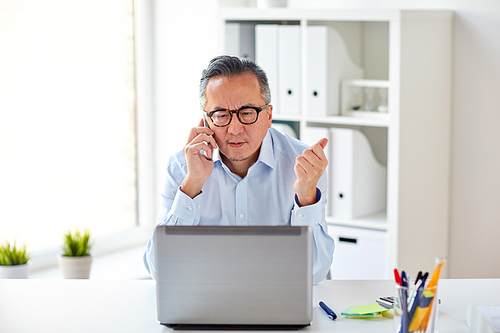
[229, 66]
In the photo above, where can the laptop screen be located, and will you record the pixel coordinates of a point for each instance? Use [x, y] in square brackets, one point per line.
[222, 275]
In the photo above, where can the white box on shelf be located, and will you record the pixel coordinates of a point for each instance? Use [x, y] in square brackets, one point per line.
[358, 180]
[289, 69]
[328, 62]
[266, 56]
[365, 98]
[359, 253]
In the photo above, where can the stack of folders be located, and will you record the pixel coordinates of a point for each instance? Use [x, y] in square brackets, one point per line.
[417, 305]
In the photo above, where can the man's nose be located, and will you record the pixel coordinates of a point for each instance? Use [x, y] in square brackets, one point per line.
[235, 126]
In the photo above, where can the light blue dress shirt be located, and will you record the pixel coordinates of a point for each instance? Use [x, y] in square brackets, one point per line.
[264, 197]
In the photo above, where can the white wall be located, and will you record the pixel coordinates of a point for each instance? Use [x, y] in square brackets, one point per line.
[186, 39]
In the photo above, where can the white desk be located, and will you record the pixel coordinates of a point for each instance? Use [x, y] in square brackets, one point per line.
[130, 306]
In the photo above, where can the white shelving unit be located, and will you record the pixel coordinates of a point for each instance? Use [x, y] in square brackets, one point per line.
[409, 53]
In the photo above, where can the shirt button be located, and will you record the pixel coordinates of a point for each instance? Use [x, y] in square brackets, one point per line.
[241, 216]
[240, 184]
[301, 215]
[198, 206]
[190, 207]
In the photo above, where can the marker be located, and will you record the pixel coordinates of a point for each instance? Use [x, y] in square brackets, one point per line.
[397, 277]
[328, 311]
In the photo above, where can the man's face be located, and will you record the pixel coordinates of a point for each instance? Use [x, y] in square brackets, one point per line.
[238, 142]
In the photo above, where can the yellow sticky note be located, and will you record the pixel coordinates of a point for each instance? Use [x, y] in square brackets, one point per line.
[370, 308]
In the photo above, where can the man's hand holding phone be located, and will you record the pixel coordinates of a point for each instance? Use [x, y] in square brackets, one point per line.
[198, 152]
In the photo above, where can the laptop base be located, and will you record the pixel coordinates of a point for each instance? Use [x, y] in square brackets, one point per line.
[218, 327]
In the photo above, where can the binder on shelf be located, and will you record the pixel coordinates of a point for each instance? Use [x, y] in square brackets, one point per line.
[312, 135]
[358, 180]
[240, 40]
[328, 62]
[266, 56]
[289, 69]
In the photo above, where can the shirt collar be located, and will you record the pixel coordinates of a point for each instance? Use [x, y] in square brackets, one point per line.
[266, 151]
[266, 154]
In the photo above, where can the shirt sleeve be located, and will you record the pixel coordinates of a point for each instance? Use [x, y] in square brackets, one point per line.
[314, 216]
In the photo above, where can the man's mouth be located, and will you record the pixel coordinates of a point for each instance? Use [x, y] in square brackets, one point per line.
[236, 144]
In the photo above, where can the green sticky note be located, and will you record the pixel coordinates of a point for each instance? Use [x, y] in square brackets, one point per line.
[365, 309]
[348, 312]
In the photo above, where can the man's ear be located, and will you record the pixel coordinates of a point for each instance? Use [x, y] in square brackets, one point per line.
[269, 115]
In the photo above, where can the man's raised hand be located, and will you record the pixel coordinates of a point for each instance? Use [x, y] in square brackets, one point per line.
[309, 167]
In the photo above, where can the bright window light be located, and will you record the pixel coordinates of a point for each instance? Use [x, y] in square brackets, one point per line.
[67, 119]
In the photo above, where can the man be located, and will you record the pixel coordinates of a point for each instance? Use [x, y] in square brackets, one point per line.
[237, 170]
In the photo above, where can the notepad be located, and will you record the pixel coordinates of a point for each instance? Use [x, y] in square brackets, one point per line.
[366, 309]
[369, 311]
[350, 313]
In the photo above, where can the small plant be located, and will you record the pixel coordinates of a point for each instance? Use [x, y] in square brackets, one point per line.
[76, 244]
[10, 255]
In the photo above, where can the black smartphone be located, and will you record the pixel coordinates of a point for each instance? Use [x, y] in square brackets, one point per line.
[209, 144]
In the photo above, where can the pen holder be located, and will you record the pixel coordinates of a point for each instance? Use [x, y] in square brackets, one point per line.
[419, 313]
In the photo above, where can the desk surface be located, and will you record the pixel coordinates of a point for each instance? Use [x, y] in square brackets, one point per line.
[130, 306]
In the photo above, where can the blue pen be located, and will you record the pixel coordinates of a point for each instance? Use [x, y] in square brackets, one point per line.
[328, 311]
[404, 302]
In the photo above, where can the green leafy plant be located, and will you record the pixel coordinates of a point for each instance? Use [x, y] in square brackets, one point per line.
[76, 243]
[10, 255]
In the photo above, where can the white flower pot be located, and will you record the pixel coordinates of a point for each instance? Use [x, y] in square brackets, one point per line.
[14, 272]
[75, 267]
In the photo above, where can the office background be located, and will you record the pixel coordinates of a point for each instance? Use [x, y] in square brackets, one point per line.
[175, 40]
[475, 181]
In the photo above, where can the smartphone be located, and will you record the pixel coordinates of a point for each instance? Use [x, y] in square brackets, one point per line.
[209, 144]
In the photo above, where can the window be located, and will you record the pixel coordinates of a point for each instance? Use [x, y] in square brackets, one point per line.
[67, 119]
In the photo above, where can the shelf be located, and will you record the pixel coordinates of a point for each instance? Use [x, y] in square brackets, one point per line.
[284, 117]
[388, 46]
[364, 118]
[368, 83]
[374, 222]
[286, 14]
[378, 120]
[357, 119]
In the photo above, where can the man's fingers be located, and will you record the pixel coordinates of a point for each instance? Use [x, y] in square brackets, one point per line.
[202, 148]
[196, 131]
[205, 138]
[323, 142]
[315, 154]
[201, 123]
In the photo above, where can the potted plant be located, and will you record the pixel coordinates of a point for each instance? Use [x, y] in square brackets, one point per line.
[75, 261]
[13, 261]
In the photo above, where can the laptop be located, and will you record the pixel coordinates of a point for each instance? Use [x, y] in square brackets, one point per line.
[225, 277]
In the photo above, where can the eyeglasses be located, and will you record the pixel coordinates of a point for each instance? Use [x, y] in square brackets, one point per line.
[246, 115]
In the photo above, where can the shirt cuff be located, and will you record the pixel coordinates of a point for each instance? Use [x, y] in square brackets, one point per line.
[310, 214]
[186, 209]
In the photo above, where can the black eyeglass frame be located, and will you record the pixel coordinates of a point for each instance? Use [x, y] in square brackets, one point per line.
[231, 112]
